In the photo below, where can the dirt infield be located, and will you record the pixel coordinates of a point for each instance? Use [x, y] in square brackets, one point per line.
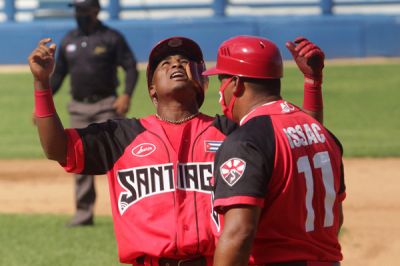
[371, 234]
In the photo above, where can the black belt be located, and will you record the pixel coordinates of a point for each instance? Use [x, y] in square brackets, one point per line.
[199, 261]
[91, 98]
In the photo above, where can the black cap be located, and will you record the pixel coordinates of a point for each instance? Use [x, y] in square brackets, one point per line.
[85, 4]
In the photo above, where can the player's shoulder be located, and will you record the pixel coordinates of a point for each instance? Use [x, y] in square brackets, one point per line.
[223, 124]
[256, 129]
[256, 136]
[130, 124]
[336, 140]
[117, 126]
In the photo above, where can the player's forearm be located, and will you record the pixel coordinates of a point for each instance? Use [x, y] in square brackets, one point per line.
[313, 101]
[52, 137]
[51, 131]
[231, 252]
[234, 245]
[319, 115]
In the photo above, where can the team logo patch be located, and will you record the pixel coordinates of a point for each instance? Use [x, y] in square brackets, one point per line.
[71, 48]
[212, 145]
[143, 149]
[176, 42]
[232, 170]
[286, 108]
[100, 50]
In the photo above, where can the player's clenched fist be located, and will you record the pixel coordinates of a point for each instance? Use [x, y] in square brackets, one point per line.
[308, 56]
[41, 60]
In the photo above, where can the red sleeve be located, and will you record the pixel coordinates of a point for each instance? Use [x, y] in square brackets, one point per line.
[75, 157]
[220, 203]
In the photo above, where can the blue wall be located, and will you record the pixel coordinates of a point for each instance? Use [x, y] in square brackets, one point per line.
[339, 36]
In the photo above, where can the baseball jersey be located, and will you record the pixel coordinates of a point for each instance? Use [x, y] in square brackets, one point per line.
[160, 191]
[287, 163]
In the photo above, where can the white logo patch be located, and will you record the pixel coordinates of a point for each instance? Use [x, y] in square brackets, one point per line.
[286, 108]
[232, 170]
[71, 48]
[143, 149]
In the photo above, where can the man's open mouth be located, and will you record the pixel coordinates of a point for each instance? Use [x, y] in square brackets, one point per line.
[178, 75]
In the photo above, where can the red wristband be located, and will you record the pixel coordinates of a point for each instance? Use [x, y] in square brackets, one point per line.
[44, 105]
[312, 95]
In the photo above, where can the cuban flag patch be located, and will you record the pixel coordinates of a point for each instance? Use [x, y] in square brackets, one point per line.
[232, 170]
[212, 145]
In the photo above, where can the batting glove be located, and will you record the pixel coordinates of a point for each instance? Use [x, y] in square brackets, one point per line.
[308, 57]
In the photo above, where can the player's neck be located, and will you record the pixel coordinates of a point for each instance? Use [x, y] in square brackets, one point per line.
[249, 104]
[175, 113]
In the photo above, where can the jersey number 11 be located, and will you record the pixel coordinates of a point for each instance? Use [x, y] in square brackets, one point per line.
[320, 160]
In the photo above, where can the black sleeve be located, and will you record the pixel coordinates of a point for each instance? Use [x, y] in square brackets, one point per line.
[126, 59]
[252, 145]
[60, 71]
[104, 143]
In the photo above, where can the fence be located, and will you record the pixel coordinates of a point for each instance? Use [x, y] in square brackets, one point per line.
[120, 9]
[326, 22]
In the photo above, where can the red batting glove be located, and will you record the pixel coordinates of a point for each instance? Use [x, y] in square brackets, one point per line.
[309, 58]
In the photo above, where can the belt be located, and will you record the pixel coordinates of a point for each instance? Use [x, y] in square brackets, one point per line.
[304, 263]
[199, 261]
[91, 98]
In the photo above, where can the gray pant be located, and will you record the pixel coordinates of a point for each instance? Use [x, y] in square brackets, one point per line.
[81, 115]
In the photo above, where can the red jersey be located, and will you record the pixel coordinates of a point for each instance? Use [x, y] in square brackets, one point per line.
[287, 163]
[159, 187]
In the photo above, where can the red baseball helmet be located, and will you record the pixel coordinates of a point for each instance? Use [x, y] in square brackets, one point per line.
[172, 46]
[248, 56]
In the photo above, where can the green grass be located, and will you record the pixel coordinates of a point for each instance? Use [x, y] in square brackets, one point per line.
[43, 240]
[360, 108]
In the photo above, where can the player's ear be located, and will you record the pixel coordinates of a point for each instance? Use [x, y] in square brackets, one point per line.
[153, 94]
[239, 86]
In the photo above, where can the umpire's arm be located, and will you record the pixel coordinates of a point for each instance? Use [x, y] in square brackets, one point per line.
[51, 131]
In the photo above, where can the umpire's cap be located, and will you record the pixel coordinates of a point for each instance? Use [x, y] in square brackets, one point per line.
[172, 46]
[85, 4]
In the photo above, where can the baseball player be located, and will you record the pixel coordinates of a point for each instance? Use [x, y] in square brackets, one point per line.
[279, 177]
[159, 167]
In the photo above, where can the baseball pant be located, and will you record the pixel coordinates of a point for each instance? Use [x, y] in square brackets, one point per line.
[81, 115]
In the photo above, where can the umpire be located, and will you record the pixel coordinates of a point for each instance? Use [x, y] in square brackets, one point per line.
[91, 54]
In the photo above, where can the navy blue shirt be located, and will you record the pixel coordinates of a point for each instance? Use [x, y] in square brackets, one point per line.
[92, 61]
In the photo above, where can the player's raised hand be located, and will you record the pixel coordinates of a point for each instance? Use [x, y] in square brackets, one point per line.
[308, 56]
[193, 71]
[41, 60]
